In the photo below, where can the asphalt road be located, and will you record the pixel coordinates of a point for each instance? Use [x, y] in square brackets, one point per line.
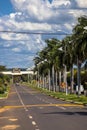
[27, 109]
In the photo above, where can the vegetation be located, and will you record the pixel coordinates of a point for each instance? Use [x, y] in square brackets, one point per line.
[4, 81]
[60, 95]
[60, 57]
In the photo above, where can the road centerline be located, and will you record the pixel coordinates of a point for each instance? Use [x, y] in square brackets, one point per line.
[21, 100]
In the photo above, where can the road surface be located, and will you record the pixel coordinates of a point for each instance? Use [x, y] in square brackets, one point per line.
[28, 109]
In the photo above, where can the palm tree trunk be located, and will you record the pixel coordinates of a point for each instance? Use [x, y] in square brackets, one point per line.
[72, 79]
[53, 78]
[65, 79]
[60, 80]
[38, 79]
[56, 82]
[78, 75]
[49, 80]
[43, 81]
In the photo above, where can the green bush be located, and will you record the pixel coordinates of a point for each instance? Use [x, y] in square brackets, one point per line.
[2, 89]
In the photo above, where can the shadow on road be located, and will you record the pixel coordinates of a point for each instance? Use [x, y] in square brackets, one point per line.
[68, 113]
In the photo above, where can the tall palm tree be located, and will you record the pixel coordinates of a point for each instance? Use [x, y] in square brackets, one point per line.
[80, 45]
[50, 56]
[53, 45]
[69, 58]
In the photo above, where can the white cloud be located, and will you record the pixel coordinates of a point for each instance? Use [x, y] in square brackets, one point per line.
[36, 8]
[82, 3]
[13, 15]
[68, 26]
[57, 3]
[37, 16]
[16, 50]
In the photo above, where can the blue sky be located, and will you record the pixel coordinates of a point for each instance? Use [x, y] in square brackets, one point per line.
[6, 7]
[18, 50]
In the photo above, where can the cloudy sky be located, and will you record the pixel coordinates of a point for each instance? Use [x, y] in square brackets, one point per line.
[35, 16]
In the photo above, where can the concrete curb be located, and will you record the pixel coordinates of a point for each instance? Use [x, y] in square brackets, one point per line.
[70, 101]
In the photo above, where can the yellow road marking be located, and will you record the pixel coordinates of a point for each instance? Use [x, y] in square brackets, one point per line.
[10, 127]
[13, 119]
[44, 105]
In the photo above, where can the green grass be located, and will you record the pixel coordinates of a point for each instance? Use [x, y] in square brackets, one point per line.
[5, 94]
[70, 97]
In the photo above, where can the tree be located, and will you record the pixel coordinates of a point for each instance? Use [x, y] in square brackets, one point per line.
[80, 44]
[3, 80]
[54, 59]
[48, 60]
[69, 58]
[2, 68]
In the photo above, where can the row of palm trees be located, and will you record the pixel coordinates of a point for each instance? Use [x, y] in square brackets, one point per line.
[59, 57]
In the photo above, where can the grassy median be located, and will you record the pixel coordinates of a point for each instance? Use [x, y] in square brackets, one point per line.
[61, 95]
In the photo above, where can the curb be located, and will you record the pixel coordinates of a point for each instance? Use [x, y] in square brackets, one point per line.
[70, 101]
[80, 103]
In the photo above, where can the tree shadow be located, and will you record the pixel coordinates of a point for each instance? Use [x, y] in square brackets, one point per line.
[68, 113]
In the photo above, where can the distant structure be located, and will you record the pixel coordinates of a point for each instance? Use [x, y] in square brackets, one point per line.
[17, 71]
[16, 74]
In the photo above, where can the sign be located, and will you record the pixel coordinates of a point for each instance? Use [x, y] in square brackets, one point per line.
[16, 70]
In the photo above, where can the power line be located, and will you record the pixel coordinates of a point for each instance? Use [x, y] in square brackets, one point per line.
[35, 33]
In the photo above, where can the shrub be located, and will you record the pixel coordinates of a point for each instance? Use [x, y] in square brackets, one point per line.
[2, 89]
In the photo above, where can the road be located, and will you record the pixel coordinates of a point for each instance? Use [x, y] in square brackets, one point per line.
[28, 109]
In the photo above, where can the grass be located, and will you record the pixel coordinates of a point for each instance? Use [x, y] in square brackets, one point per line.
[5, 94]
[70, 97]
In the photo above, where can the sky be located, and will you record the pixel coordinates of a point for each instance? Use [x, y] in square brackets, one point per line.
[37, 16]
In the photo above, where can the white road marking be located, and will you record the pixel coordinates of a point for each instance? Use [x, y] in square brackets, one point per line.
[30, 117]
[33, 123]
[21, 100]
[63, 108]
[41, 107]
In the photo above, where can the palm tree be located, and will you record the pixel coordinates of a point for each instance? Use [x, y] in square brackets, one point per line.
[48, 60]
[80, 45]
[41, 66]
[53, 45]
[69, 58]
